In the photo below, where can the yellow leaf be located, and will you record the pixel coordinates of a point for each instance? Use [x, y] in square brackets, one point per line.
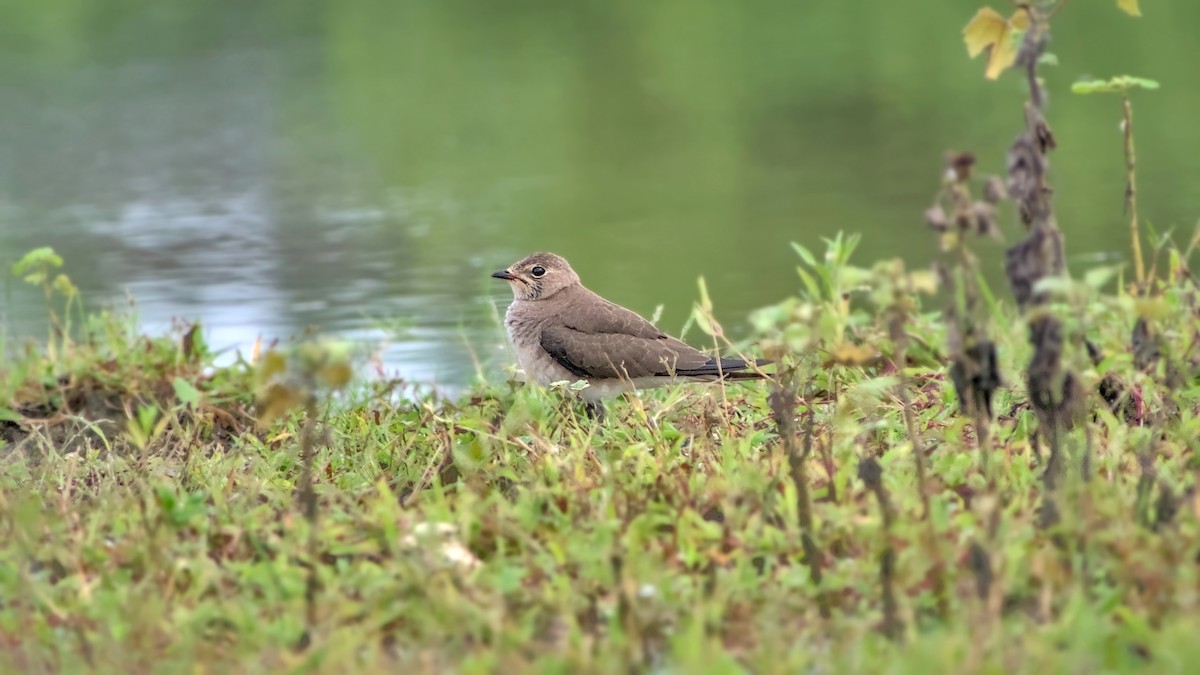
[923, 281]
[1153, 309]
[848, 354]
[983, 30]
[1130, 7]
[273, 363]
[989, 31]
[335, 374]
[276, 399]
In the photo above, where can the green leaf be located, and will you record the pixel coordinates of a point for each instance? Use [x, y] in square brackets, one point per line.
[702, 320]
[166, 497]
[62, 284]
[10, 415]
[1174, 263]
[1097, 277]
[810, 284]
[1089, 87]
[43, 258]
[1055, 284]
[1117, 85]
[853, 279]
[185, 392]
[705, 300]
[146, 416]
[36, 278]
[804, 254]
[846, 246]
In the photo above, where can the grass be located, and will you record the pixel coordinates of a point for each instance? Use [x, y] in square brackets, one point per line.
[505, 531]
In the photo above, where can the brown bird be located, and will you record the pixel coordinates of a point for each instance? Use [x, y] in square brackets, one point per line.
[560, 331]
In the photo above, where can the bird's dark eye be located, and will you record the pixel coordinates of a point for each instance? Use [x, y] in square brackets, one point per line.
[538, 272]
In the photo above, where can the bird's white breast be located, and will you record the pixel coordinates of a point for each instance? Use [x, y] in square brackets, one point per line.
[524, 334]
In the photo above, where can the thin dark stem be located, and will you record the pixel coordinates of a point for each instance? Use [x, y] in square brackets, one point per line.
[1054, 464]
[308, 504]
[900, 340]
[784, 407]
[1035, 89]
[983, 437]
[872, 475]
[967, 264]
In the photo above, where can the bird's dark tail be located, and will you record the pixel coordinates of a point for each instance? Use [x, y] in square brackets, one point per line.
[728, 369]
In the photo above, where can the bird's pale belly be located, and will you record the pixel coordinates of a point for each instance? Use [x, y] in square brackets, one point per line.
[541, 368]
[538, 365]
[544, 370]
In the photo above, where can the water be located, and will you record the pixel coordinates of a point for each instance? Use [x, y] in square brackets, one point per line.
[362, 166]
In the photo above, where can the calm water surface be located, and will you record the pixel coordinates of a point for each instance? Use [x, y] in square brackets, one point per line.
[361, 167]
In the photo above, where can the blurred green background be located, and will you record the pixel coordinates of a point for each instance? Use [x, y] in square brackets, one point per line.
[270, 165]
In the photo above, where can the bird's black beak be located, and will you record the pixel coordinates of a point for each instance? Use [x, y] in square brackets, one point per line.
[503, 274]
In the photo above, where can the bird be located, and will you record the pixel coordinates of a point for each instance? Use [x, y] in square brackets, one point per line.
[562, 331]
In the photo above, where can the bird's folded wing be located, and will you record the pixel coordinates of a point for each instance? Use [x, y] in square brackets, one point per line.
[590, 313]
[619, 355]
[595, 338]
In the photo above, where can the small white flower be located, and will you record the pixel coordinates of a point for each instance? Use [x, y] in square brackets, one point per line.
[439, 542]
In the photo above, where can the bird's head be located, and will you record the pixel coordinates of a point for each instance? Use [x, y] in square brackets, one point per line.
[538, 276]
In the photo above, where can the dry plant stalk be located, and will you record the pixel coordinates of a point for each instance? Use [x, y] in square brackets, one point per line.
[783, 405]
